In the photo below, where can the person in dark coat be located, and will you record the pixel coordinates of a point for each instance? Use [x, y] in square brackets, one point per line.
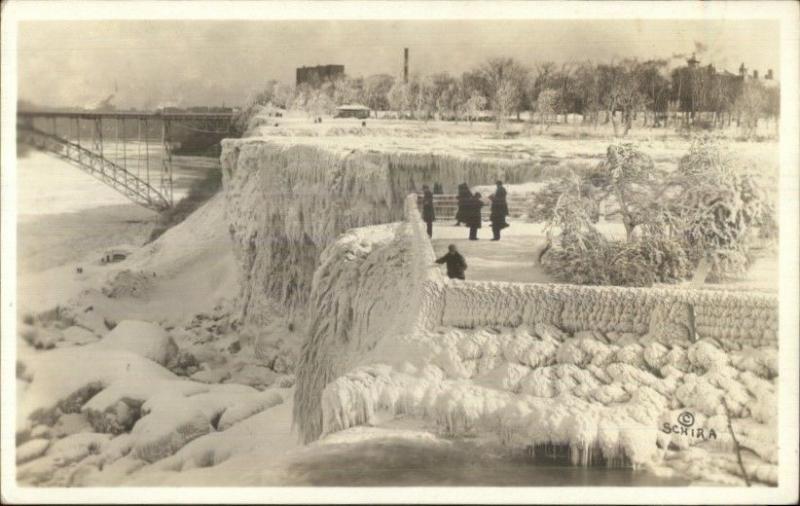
[497, 217]
[473, 215]
[464, 195]
[427, 209]
[456, 265]
[500, 198]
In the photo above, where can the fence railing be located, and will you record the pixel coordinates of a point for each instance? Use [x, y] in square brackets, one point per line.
[445, 206]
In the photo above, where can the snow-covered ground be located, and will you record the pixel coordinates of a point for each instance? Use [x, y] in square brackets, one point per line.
[514, 258]
[184, 388]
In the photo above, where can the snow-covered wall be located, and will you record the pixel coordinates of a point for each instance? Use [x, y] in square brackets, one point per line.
[288, 199]
[732, 318]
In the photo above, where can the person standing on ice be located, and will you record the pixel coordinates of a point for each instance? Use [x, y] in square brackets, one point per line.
[497, 217]
[472, 215]
[427, 209]
[464, 195]
[456, 265]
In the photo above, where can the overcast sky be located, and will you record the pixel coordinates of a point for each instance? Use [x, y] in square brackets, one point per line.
[154, 63]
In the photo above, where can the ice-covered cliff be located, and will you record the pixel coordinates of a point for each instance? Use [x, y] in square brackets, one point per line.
[288, 199]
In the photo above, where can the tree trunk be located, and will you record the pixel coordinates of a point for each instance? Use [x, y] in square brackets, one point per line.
[614, 124]
[629, 228]
[701, 272]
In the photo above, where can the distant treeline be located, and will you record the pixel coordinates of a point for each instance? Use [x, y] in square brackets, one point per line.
[618, 92]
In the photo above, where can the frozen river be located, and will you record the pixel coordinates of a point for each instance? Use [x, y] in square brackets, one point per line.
[63, 213]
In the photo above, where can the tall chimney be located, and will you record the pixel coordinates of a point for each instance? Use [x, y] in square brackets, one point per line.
[405, 65]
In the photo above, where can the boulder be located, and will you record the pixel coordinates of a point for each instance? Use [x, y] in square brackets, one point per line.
[32, 449]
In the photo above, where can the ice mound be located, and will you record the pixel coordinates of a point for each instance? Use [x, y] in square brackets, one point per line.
[142, 338]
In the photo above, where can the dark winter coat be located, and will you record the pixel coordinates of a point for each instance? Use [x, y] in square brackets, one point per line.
[498, 214]
[456, 265]
[428, 215]
[464, 195]
[472, 212]
[500, 201]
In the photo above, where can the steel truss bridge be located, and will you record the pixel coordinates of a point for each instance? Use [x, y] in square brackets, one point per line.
[129, 151]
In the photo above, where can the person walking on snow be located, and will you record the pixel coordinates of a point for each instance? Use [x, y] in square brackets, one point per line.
[427, 209]
[497, 217]
[456, 265]
[472, 214]
[464, 195]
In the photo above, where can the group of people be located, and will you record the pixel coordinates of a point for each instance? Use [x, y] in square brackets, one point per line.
[469, 209]
[468, 213]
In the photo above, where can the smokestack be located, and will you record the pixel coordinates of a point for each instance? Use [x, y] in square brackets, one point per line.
[405, 65]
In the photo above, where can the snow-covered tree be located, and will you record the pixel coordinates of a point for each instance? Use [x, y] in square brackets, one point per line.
[400, 98]
[504, 101]
[474, 105]
[750, 106]
[546, 107]
[704, 213]
[376, 92]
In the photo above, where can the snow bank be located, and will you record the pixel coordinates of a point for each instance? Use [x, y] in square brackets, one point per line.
[596, 370]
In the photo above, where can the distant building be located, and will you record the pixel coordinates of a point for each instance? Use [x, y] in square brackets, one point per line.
[703, 88]
[315, 76]
[352, 111]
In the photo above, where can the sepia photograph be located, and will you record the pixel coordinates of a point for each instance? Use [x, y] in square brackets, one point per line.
[362, 252]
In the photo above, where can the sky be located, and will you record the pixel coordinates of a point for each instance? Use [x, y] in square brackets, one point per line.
[185, 63]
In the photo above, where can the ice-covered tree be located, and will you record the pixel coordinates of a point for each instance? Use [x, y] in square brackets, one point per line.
[719, 206]
[703, 215]
[750, 106]
[376, 92]
[474, 105]
[546, 107]
[400, 98]
[503, 101]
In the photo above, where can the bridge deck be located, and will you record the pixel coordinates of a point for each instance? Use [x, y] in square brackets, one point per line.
[126, 115]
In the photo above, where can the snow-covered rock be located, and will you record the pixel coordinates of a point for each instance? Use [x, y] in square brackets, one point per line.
[238, 412]
[31, 449]
[79, 335]
[164, 431]
[142, 338]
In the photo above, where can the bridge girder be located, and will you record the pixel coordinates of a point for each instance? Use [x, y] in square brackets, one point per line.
[95, 160]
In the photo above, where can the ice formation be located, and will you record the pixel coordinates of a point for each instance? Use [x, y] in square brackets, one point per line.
[288, 200]
[597, 371]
